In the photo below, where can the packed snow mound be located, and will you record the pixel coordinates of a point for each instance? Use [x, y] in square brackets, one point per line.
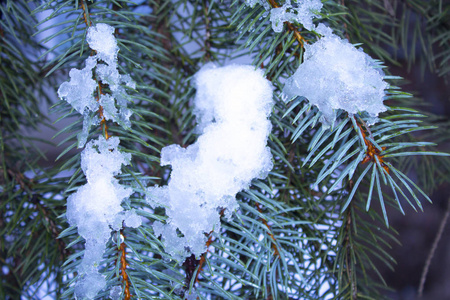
[336, 75]
[232, 107]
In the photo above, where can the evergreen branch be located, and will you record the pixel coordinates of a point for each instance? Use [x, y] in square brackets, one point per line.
[354, 261]
[52, 227]
[307, 239]
[349, 266]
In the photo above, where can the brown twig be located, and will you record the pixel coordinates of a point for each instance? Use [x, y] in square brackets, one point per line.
[274, 241]
[123, 267]
[438, 237]
[103, 125]
[99, 86]
[203, 258]
[85, 14]
[372, 153]
[191, 263]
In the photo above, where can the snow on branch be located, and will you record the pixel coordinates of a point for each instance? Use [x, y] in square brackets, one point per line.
[336, 75]
[95, 208]
[232, 107]
[79, 91]
[302, 12]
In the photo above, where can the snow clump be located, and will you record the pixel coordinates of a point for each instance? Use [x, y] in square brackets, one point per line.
[232, 107]
[336, 75]
[79, 91]
[302, 12]
[95, 208]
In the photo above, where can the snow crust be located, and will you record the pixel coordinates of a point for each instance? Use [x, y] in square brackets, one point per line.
[336, 75]
[95, 208]
[79, 91]
[232, 106]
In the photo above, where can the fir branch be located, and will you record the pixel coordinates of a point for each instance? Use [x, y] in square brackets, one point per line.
[306, 237]
[348, 249]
